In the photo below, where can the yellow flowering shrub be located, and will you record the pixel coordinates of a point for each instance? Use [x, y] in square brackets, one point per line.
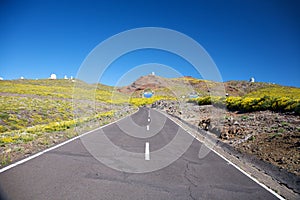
[248, 104]
[147, 101]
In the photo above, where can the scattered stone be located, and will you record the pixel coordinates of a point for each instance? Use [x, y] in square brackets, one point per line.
[270, 136]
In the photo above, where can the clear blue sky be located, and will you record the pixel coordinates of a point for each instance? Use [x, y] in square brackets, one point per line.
[244, 38]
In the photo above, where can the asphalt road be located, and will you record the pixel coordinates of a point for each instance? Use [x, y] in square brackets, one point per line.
[71, 172]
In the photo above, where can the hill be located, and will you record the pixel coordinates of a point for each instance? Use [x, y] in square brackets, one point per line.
[26, 103]
[182, 85]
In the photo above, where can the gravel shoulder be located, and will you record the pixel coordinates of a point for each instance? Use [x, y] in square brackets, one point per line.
[265, 144]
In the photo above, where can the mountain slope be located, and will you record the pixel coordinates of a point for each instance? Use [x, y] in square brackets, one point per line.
[184, 85]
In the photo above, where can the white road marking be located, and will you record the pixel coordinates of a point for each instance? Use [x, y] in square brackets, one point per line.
[147, 127]
[56, 146]
[148, 157]
[248, 175]
[147, 152]
[148, 119]
[229, 162]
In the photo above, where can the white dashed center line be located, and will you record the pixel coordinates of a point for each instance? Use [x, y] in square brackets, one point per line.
[147, 152]
[147, 127]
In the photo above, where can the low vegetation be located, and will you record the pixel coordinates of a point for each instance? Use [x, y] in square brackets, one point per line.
[29, 133]
[35, 114]
[147, 101]
[251, 104]
[274, 98]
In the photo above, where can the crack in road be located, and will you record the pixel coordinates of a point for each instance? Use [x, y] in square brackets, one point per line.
[67, 153]
[99, 176]
[185, 174]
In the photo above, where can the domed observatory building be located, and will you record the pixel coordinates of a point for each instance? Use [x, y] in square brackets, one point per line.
[148, 93]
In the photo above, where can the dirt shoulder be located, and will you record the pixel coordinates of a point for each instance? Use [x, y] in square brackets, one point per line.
[266, 140]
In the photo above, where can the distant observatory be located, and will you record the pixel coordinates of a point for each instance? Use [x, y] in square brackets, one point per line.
[1, 79]
[52, 76]
[193, 95]
[21, 77]
[148, 93]
[252, 80]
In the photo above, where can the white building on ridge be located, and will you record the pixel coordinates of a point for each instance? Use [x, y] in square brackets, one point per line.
[52, 76]
[252, 80]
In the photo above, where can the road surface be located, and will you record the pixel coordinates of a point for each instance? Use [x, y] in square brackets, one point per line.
[71, 172]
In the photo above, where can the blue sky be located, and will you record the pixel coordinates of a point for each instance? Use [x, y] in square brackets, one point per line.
[244, 38]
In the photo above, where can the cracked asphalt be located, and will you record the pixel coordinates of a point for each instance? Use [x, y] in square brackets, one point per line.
[71, 172]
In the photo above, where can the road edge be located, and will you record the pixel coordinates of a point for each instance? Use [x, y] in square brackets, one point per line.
[24, 160]
[244, 167]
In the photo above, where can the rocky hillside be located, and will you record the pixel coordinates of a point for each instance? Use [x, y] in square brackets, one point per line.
[269, 136]
[184, 85]
[159, 85]
[145, 82]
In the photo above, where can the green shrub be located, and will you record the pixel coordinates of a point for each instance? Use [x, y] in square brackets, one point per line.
[250, 104]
